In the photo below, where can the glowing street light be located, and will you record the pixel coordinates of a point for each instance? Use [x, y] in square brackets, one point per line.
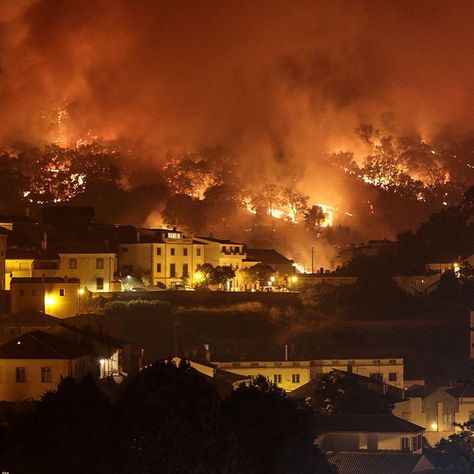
[198, 276]
[81, 291]
[294, 279]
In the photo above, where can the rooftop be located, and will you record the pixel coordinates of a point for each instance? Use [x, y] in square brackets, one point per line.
[39, 345]
[368, 424]
[377, 463]
[269, 256]
[220, 241]
[29, 318]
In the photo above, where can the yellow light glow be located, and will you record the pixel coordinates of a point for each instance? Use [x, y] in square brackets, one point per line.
[272, 279]
[81, 291]
[49, 300]
[434, 426]
[294, 279]
[198, 276]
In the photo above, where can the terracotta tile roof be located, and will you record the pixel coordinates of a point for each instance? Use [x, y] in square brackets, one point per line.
[29, 318]
[39, 345]
[381, 463]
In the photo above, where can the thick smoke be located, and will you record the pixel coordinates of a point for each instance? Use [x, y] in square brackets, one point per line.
[279, 83]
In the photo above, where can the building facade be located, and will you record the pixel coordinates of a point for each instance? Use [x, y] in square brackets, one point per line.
[58, 297]
[3, 255]
[291, 375]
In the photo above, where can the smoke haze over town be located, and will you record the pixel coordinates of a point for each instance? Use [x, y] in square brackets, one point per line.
[298, 97]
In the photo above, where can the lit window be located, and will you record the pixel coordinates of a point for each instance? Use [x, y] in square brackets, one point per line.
[45, 374]
[100, 283]
[99, 263]
[61, 292]
[20, 374]
[73, 263]
[295, 378]
[277, 378]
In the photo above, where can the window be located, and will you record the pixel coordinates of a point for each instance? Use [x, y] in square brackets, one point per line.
[158, 251]
[295, 378]
[405, 444]
[392, 361]
[20, 374]
[124, 249]
[172, 251]
[99, 283]
[34, 292]
[45, 374]
[158, 268]
[392, 377]
[198, 252]
[185, 270]
[99, 263]
[73, 263]
[22, 292]
[61, 292]
[277, 378]
[172, 270]
[185, 252]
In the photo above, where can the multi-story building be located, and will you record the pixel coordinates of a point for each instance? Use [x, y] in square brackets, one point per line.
[18, 264]
[224, 253]
[94, 266]
[437, 408]
[35, 362]
[291, 375]
[166, 257]
[58, 297]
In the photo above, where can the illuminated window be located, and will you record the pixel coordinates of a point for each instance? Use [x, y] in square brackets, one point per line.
[20, 374]
[45, 374]
[61, 292]
[392, 377]
[172, 251]
[158, 268]
[277, 378]
[99, 283]
[73, 263]
[172, 270]
[198, 252]
[185, 252]
[295, 378]
[185, 270]
[158, 251]
[99, 263]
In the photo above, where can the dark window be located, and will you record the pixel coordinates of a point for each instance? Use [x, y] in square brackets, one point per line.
[198, 252]
[22, 292]
[99, 283]
[45, 374]
[172, 251]
[392, 377]
[61, 291]
[172, 270]
[277, 378]
[158, 268]
[20, 374]
[34, 291]
[185, 252]
[405, 444]
[73, 263]
[185, 270]
[99, 263]
[158, 251]
[295, 378]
